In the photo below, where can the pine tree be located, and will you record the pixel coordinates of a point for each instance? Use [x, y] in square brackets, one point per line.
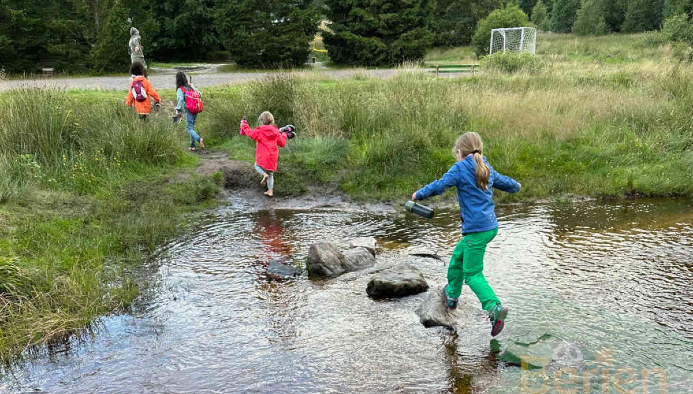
[563, 16]
[590, 18]
[111, 52]
[267, 33]
[186, 29]
[615, 13]
[385, 32]
[643, 15]
[540, 16]
[455, 20]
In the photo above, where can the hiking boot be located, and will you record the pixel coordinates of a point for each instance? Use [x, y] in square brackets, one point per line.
[451, 303]
[497, 316]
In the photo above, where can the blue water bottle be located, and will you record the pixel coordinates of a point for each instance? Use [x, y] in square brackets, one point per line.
[419, 209]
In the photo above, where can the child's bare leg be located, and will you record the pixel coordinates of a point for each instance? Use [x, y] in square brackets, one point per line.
[261, 172]
[270, 184]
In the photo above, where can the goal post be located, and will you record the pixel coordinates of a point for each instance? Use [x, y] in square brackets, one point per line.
[513, 39]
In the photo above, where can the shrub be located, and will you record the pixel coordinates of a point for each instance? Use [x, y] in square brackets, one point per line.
[510, 16]
[652, 39]
[677, 28]
[512, 63]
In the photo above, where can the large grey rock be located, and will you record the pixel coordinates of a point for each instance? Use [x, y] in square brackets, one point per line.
[364, 242]
[325, 259]
[433, 311]
[357, 259]
[399, 281]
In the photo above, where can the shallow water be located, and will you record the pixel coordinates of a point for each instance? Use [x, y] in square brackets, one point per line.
[614, 281]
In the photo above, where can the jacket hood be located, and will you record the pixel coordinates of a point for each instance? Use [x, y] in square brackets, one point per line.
[134, 32]
[269, 132]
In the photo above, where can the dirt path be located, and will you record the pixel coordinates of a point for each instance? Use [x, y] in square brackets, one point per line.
[164, 79]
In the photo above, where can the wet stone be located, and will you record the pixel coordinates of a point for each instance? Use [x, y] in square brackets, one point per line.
[364, 242]
[433, 311]
[325, 259]
[544, 351]
[425, 252]
[280, 270]
[399, 281]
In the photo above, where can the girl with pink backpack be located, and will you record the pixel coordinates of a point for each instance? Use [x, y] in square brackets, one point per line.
[190, 102]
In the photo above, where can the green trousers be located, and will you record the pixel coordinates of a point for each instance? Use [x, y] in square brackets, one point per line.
[466, 266]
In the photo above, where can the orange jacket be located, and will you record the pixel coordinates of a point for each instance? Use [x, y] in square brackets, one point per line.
[143, 107]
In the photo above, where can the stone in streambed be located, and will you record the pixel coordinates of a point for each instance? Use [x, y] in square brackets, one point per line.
[326, 260]
[433, 311]
[280, 270]
[399, 281]
[364, 242]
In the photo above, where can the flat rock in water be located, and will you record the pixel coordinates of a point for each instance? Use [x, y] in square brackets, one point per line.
[399, 281]
[434, 312]
[357, 259]
[325, 259]
[279, 270]
[544, 351]
[364, 242]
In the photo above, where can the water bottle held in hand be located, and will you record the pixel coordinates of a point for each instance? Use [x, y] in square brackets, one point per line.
[419, 209]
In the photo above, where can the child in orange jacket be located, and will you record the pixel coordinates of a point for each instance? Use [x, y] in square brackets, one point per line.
[140, 91]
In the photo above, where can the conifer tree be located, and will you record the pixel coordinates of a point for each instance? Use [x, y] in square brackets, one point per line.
[378, 33]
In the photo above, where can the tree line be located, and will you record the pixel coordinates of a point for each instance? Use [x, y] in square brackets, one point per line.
[92, 35]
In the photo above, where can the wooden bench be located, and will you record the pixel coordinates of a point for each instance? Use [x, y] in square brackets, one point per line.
[47, 72]
[455, 68]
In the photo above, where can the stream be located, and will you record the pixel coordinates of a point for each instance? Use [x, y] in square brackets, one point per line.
[612, 282]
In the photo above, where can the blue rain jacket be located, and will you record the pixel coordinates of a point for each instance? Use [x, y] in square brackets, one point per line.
[476, 205]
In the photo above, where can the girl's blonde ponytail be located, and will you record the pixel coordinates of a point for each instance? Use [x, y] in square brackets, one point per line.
[471, 143]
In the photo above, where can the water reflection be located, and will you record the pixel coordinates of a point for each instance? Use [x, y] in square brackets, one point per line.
[595, 274]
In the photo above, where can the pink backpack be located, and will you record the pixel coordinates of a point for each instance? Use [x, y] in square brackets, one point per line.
[193, 101]
[138, 91]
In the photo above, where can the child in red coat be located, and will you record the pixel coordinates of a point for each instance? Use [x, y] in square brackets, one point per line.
[268, 139]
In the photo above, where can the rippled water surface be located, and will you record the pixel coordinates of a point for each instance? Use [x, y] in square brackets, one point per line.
[614, 280]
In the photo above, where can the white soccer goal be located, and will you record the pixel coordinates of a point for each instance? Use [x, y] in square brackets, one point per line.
[514, 39]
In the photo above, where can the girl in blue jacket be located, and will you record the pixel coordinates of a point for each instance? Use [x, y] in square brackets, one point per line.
[474, 179]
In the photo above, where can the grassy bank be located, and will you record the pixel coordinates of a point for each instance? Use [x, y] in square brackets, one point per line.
[583, 124]
[87, 190]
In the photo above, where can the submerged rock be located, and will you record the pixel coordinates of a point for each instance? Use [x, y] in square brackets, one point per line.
[325, 259]
[280, 270]
[425, 252]
[539, 351]
[399, 281]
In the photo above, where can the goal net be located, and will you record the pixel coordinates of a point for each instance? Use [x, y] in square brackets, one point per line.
[514, 39]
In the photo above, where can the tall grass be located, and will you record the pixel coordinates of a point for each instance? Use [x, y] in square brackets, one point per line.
[572, 127]
[85, 194]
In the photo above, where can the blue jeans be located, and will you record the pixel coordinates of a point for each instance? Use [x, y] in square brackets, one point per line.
[190, 120]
